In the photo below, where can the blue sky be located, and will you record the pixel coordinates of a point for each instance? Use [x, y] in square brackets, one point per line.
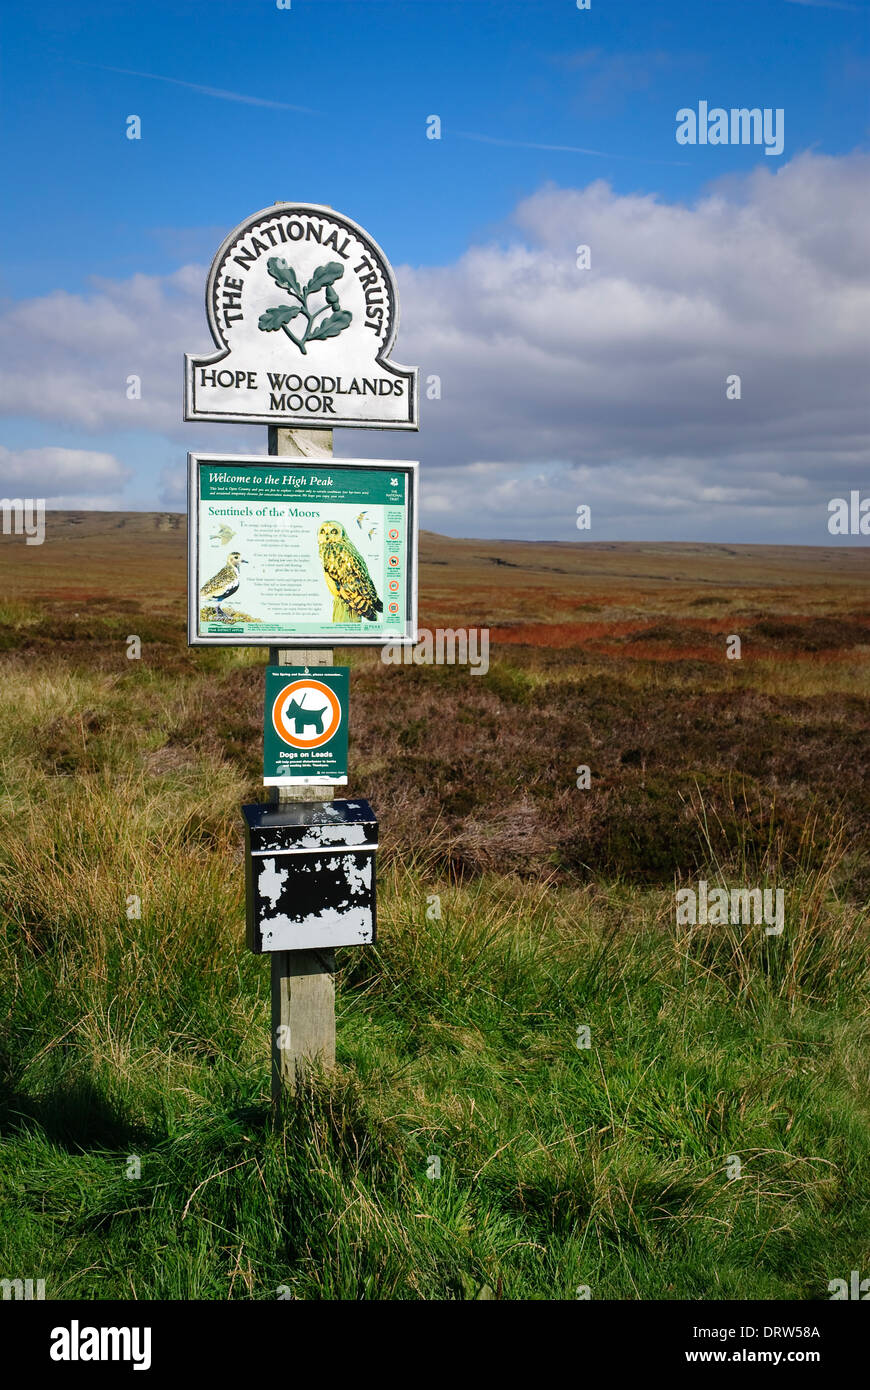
[370, 71]
[327, 102]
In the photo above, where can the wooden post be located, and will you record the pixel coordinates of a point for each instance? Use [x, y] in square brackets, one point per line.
[303, 984]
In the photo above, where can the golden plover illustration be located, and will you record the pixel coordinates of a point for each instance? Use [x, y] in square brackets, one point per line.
[361, 518]
[223, 585]
[223, 534]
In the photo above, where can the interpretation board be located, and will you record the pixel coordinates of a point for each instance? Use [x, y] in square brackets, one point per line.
[303, 309]
[301, 553]
[305, 725]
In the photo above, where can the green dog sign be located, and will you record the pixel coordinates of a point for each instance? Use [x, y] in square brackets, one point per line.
[305, 725]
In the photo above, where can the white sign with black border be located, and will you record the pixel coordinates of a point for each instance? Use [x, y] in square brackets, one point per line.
[303, 309]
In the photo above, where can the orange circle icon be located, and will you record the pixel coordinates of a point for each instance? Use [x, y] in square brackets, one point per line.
[300, 706]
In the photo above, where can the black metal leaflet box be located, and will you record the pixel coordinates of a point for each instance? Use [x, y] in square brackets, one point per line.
[310, 874]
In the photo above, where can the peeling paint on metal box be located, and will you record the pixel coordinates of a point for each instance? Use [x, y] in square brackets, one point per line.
[310, 875]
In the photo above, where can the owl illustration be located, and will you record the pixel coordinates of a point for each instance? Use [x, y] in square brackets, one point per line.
[347, 576]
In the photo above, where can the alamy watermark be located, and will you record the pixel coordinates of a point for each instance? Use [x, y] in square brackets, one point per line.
[849, 516]
[742, 125]
[856, 1288]
[24, 516]
[721, 906]
[77, 1343]
[24, 1289]
[443, 647]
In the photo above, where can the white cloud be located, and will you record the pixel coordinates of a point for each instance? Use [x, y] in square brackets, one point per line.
[64, 477]
[74, 352]
[173, 487]
[621, 370]
[605, 386]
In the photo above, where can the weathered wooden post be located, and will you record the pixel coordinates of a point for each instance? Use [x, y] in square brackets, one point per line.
[299, 555]
[303, 982]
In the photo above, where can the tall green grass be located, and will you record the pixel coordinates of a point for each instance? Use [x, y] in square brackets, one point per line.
[137, 1151]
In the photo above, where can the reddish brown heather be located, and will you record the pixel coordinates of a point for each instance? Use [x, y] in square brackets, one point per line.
[611, 655]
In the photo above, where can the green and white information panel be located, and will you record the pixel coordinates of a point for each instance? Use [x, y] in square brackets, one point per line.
[301, 552]
[305, 725]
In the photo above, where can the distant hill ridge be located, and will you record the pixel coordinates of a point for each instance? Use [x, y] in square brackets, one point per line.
[486, 552]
